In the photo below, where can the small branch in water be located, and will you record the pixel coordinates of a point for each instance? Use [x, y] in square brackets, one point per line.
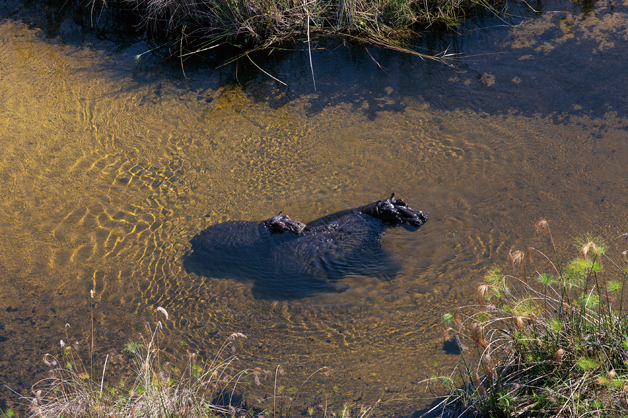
[309, 48]
[375, 61]
[181, 52]
[200, 50]
[260, 68]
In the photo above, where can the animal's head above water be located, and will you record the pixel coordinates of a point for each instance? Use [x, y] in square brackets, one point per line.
[282, 223]
[394, 211]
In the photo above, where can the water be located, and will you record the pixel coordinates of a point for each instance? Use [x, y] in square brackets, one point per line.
[109, 166]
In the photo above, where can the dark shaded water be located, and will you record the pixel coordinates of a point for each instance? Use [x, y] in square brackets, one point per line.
[109, 166]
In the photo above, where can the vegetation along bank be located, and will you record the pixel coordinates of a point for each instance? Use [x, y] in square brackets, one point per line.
[190, 27]
[262, 23]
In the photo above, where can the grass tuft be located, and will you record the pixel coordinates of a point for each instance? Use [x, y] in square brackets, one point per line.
[156, 384]
[549, 345]
[156, 388]
[193, 27]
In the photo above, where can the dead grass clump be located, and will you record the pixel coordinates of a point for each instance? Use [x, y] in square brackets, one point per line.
[157, 387]
[157, 384]
[195, 26]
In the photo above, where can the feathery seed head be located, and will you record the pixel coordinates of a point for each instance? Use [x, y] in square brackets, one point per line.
[163, 311]
[478, 384]
[477, 335]
[457, 319]
[449, 334]
[588, 247]
[49, 360]
[541, 226]
[516, 258]
[489, 368]
[480, 295]
[591, 241]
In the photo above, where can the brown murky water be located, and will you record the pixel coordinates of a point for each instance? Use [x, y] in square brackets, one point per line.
[109, 168]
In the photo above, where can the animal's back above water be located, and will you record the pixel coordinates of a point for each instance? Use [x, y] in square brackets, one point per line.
[235, 249]
[298, 260]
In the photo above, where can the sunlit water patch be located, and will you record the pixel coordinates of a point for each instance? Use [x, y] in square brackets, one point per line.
[109, 168]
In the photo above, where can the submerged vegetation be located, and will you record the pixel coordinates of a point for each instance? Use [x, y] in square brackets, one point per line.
[548, 344]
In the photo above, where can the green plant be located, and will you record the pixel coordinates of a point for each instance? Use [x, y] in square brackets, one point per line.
[132, 347]
[546, 345]
[8, 414]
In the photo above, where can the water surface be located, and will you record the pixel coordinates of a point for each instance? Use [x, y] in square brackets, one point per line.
[109, 166]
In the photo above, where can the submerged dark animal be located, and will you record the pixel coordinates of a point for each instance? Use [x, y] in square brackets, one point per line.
[287, 259]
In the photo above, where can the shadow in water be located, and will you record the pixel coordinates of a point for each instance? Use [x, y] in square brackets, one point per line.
[451, 347]
[434, 410]
[296, 261]
[495, 64]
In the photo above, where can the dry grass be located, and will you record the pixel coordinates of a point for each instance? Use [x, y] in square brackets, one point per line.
[157, 388]
[258, 24]
[156, 384]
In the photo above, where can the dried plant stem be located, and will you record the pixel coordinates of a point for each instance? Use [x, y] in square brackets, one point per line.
[102, 380]
[260, 68]
[309, 50]
[91, 350]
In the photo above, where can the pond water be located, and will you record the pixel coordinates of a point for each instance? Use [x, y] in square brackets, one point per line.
[110, 165]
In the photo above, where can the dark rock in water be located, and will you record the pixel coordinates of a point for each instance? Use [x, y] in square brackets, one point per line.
[287, 259]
